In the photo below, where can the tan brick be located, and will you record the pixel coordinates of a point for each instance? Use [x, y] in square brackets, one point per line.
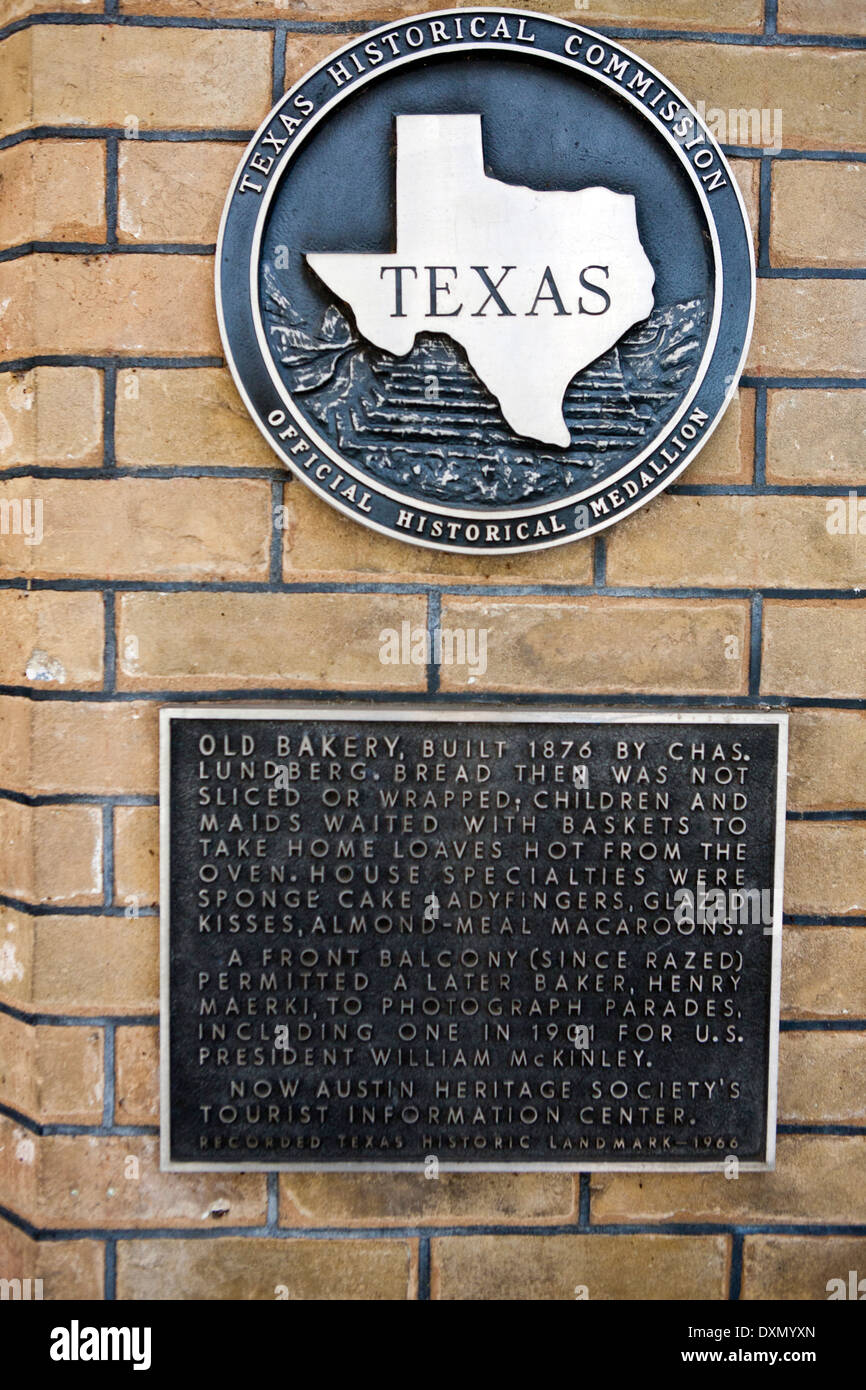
[69, 1269]
[18, 1174]
[734, 542]
[11, 10]
[260, 9]
[644, 1267]
[747, 172]
[86, 1181]
[823, 972]
[821, 1078]
[15, 711]
[54, 1075]
[816, 437]
[817, 1178]
[799, 1267]
[820, 17]
[17, 324]
[243, 1268]
[825, 868]
[211, 641]
[729, 454]
[605, 645]
[51, 417]
[51, 639]
[305, 50]
[814, 649]
[80, 965]
[72, 1269]
[98, 749]
[17, 1073]
[809, 328]
[740, 15]
[143, 528]
[52, 190]
[818, 213]
[192, 418]
[318, 540]
[820, 92]
[16, 957]
[400, 1199]
[173, 191]
[100, 75]
[53, 854]
[16, 98]
[136, 855]
[826, 757]
[136, 1073]
[159, 305]
[69, 1064]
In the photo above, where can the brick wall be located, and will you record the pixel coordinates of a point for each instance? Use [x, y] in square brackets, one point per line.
[162, 575]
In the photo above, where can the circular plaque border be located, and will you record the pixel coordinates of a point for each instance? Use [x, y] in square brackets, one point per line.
[513, 529]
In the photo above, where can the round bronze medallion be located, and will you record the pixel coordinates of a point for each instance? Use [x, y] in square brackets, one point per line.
[485, 280]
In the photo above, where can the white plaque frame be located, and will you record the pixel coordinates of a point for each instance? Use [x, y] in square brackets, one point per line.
[433, 714]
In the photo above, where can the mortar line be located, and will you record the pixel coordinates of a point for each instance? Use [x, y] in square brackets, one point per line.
[767, 37]
[110, 1273]
[106, 248]
[109, 396]
[109, 658]
[755, 645]
[386, 1232]
[103, 909]
[585, 1201]
[289, 697]
[275, 564]
[111, 192]
[735, 1279]
[78, 799]
[434, 622]
[107, 858]
[424, 1269]
[761, 437]
[59, 1020]
[408, 587]
[279, 59]
[108, 1098]
[273, 1201]
[765, 199]
[599, 562]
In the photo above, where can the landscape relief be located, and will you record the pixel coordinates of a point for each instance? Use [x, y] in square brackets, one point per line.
[425, 423]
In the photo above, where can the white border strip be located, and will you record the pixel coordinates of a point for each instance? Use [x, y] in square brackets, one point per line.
[460, 715]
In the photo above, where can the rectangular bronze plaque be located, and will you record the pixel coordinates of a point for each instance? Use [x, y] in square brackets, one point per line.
[497, 939]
